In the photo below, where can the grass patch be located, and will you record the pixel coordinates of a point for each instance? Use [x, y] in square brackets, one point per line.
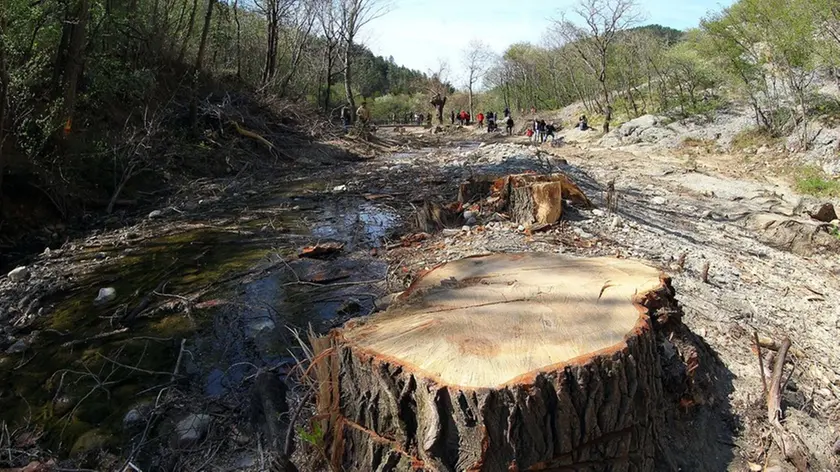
[813, 181]
[706, 145]
[753, 138]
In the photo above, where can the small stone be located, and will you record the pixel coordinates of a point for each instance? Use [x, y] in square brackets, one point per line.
[62, 405]
[520, 228]
[339, 188]
[465, 229]
[191, 429]
[615, 223]
[106, 295]
[133, 416]
[598, 212]
[471, 221]
[19, 274]
[155, 214]
[19, 346]
[825, 213]
[46, 252]
[469, 214]
[101, 256]
[658, 200]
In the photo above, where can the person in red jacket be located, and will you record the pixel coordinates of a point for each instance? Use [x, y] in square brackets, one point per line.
[480, 119]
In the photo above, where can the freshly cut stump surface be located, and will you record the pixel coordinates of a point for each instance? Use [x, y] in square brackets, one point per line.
[502, 362]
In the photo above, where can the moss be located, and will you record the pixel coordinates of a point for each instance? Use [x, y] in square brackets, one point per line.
[92, 440]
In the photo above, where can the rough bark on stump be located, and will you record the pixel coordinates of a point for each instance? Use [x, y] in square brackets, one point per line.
[558, 370]
[535, 198]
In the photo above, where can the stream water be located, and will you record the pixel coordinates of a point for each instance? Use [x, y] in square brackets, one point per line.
[78, 389]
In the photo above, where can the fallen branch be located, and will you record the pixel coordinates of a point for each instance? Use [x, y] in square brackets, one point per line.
[108, 334]
[773, 345]
[760, 362]
[787, 442]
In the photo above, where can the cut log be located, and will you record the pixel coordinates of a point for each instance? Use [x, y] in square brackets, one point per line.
[537, 199]
[500, 363]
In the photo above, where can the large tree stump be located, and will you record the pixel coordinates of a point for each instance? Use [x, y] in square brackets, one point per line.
[500, 363]
[537, 199]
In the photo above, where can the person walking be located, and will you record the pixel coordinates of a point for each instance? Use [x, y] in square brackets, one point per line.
[549, 131]
[507, 112]
[509, 124]
[542, 131]
[480, 119]
[452, 116]
[346, 118]
[535, 126]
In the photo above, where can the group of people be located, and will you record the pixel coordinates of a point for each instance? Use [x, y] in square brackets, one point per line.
[540, 131]
[489, 118]
[362, 115]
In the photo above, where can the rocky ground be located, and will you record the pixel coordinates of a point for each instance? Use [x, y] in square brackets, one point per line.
[236, 284]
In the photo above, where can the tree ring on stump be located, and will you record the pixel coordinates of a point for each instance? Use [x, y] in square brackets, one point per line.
[484, 322]
[504, 362]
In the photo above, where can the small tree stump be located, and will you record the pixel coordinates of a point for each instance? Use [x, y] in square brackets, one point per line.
[499, 363]
[537, 199]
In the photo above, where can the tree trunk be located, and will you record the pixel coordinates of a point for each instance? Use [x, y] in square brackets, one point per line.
[75, 61]
[238, 39]
[199, 60]
[271, 49]
[4, 93]
[537, 199]
[500, 363]
[470, 105]
[187, 36]
[348, 83]
[328, 76]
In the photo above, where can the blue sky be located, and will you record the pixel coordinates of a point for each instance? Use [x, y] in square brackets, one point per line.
[418, 33]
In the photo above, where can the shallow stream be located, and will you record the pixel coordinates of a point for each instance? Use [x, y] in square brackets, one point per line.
[234, 292]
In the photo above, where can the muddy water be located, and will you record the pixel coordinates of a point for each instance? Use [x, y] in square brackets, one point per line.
[78, 388]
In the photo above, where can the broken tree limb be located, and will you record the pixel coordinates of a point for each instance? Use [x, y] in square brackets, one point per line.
[787, 442]
[500, 362]
[773, 345]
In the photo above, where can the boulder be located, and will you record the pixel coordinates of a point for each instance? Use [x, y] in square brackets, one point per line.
[824, 213]
[191, 429]
[106, 295]
[19, 274]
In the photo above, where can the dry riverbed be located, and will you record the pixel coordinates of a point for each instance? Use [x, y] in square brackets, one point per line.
[171, 368]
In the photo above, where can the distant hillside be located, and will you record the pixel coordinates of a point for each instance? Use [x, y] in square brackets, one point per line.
[670, 35]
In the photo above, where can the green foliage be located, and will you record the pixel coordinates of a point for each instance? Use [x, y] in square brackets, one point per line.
[753, 138]
[315, 437]
[813, 181]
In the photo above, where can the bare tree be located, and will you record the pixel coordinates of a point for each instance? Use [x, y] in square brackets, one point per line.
[4, 91]
[328, 20]
[296, 35]
[594, 42]
[75, 59]
[274, 11]
[199, 60]
[438, 87]
[354, 15]
[476, 59]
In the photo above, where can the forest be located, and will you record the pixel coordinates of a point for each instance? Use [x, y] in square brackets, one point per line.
[90, 90]
[766, 53]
